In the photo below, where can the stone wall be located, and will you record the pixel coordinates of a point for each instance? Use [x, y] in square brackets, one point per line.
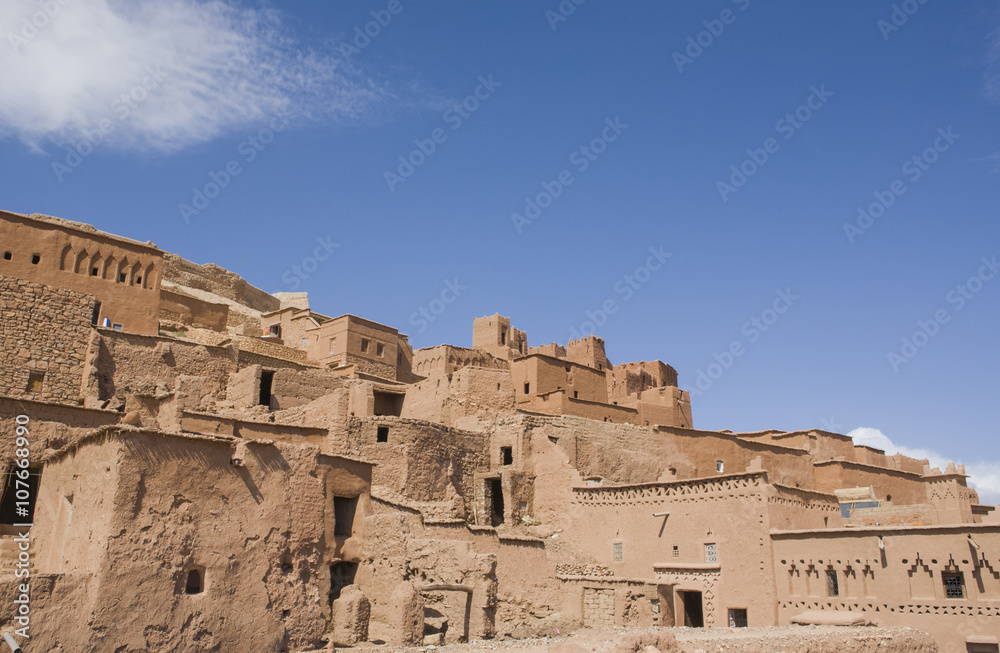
[45, 331]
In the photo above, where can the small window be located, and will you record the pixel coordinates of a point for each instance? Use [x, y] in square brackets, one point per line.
[93, 272]
[121, 278]
[618, 551]
[116, 327]
[576, 395]
[720, 466]
[35, 258]
[96, 315]
[343, 515]
[507, 455]
[677, 551]
[7, 256]
[364, 346]
[333, 345]
[379, 349]
[273, 330]
[711, 553]
[737, 617]
[832, 584]
[954, 585]
[35, 381]
[195, 583]
[527, 387]
[382, 434]
[138, 281]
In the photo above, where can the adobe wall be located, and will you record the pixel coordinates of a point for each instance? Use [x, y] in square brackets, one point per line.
[494, 334]
[191, 311]
[50, 425]
[45, 330]
[543, 374]
[588, 351]
[259, 536]
[469, 398]
[122, 274]
[898, 585]
[423, 462]
[624, 529]
[211, 278]
[445, 359]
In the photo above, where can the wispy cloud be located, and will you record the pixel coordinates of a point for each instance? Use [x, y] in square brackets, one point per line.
[65, 66]
[984, 475]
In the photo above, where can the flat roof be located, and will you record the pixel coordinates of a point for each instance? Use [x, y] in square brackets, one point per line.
[81, 227]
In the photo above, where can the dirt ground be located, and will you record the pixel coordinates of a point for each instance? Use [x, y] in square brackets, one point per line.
[786, 639]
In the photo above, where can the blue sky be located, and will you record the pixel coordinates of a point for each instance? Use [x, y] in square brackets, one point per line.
[738, 140]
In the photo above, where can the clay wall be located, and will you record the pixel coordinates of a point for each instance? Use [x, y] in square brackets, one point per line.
[543, 374]
[467, 398]
[263, 524]
[176, 307]
[902, 487]
[211, 278]
[588, 351]
[493, 334]
[45, 332]
[900, 584]
[445, 359]
[719, 527]
[123, 275]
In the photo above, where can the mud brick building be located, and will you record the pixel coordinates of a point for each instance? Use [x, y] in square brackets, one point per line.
[216, 468]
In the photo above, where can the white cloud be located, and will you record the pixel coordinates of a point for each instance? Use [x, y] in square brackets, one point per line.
[984, 476]
[65, 65]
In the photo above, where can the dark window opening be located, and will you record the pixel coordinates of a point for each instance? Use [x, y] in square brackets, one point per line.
[382, 434]
[121, 278]
[7, 256]
[693, 616]
[266, 381]
[116, 327]
[954, 585]
[527, 387]
[364, 346]
[138, 281]
[93, 272]
[496, 501]
[341, 575]
[379, 349]
[737, 617]
[35, 381]
[388, 403]
[18, 503]
[576, 395]
[677, 551]
[343, 515]
[95, 317]
[832, 584]
[273, 330]
[507, 455]
[503, 336]
[195, 583]
[35, 258]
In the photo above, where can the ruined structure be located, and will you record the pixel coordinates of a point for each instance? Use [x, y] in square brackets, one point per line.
[214, 468]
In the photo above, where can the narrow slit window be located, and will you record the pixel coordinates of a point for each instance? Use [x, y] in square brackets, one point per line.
[711, 553]
[364, 346]
[344, 509]
[266, 385]
[379, 349]
[507, 455]
[618, 551]
[527, 387]
[832, 583]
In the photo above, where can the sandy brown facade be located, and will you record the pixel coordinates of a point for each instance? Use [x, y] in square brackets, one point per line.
[221, 469]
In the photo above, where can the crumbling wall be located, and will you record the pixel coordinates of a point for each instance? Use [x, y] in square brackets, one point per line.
[45, 331]
[222, 282]
[191, 311]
